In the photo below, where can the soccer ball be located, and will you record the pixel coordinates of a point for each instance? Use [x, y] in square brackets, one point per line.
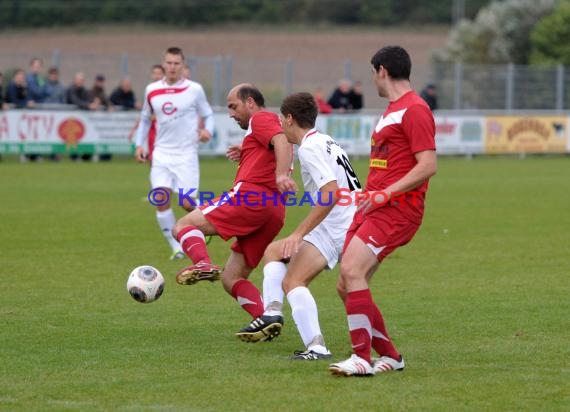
[145, 284]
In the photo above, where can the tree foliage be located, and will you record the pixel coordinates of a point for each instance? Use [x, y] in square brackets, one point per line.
[45, 13]
[499, 34]
[550, 39]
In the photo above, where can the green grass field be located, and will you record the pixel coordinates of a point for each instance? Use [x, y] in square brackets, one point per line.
[478, 302]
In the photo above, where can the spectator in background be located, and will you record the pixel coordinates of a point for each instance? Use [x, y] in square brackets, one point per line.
[340, 98]
[98, 93]
[323, 106]
[78, 95]
[429, 94]
[356, 98]
[17, 91]
[35, 81]
[55, 92]
[124, 96]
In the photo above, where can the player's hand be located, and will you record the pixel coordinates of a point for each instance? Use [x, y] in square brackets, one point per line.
[291, 245]
[286, 183]
[204, 135]
[367, 205]
[234, 153]
[140, 155]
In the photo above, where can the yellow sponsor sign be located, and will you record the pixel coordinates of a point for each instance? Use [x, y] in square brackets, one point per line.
[379, 163]
[526, 134]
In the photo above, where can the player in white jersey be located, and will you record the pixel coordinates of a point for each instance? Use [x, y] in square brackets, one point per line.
[317, 242]
[177, 105]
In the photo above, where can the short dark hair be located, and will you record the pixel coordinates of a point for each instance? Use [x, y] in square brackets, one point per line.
[53, 70]
[176, 51]
[158, 66]
[395, 60]
[247, 91]
[302, 107]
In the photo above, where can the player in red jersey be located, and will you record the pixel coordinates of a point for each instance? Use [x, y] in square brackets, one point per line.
[402, 159]
[156, 74]
[252, 213]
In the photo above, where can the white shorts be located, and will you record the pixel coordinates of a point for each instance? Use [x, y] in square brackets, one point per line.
[329, 244]
[176, 173]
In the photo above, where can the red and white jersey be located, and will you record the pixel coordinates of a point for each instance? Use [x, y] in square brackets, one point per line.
[177, 109]
[322, 161]
[406, 128]
[257, 161]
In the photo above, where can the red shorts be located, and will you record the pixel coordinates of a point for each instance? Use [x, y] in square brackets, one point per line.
[383, 230]
[252, 219]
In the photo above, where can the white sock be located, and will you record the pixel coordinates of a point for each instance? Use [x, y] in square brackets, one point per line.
[305, 314]
[273, 274]
[166, 221]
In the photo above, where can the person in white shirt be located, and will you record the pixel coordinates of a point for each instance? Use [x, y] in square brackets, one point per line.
[177, 104]
[317, 242]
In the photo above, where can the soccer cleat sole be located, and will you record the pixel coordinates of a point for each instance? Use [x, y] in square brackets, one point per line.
[191, 277]
[268, 333]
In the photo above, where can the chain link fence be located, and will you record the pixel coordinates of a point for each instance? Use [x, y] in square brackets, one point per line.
[460, 86]
[506, 87]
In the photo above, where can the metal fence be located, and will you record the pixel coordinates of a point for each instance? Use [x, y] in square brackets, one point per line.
[507, 87]
[276, 77]
[460, 86]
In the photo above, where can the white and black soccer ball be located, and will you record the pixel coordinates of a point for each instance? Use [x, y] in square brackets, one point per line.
[145, 284]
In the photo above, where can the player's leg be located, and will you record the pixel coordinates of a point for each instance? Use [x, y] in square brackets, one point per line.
[357, 261]
[190, 231]
[252, 248]
[274, 270]
[367, 245]
[305, 265]
[234, 279]
[187, 181]
[161, 182]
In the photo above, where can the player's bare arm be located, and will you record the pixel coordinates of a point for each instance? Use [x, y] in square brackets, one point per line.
[284, 158]
[425, 168]
[328, 199]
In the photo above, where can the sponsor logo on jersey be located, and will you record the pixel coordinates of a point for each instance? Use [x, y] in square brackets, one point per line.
[379, 163]
[168, 108]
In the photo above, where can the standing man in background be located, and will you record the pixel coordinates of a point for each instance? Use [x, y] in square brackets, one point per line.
[402, 159]
[177, 105]
[35, 81]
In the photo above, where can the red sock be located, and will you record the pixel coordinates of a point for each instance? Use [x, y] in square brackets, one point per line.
[193, 244]
[381, 341]
[359, 309]
[248, 297]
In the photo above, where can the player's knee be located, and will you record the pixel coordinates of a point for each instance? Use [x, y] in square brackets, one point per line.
[176, 229]
[341, 289]
[271, 253]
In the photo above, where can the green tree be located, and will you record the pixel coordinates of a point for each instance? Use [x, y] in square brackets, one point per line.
[499, 34]
[550, 39]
